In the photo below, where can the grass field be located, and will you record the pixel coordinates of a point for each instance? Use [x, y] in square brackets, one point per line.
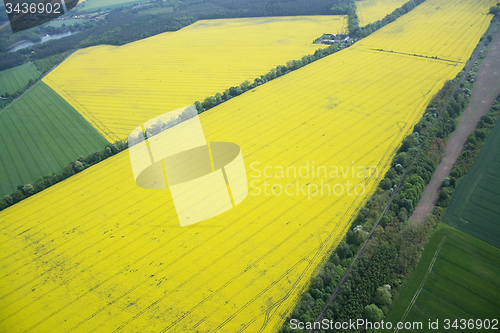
[94, 5]
[40, 134]
[474, 206]
[436, 30]
[96, 253]
[14, 79]
[68, 22]
[456, 278]
[369, 11]
[116, 88]
[157, 11]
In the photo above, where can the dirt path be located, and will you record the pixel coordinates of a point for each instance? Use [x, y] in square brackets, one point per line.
[486, 89]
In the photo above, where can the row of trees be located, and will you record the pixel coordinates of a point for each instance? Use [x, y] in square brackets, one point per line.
[83, 162]
[395, 248]
[344, 7]
[355, 31]
[495, 10]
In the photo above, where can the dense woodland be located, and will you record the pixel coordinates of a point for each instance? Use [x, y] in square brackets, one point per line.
[242, 8]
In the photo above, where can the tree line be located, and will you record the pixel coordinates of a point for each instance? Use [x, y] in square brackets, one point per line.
[83, 162]
[355, 31]
[211, 9]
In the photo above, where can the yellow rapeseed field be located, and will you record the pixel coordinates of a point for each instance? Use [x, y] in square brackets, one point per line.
[116, 88]
[96, 253]
[447, 32]
[370, 11]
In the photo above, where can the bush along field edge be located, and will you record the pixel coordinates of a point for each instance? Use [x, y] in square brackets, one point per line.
[83, 162]
[367, 271]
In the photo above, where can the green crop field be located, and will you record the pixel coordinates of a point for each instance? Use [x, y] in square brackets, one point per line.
[14, 79]
[94, 5]
[68, 22]
[456, 278]
[40, 133]
[475, 207]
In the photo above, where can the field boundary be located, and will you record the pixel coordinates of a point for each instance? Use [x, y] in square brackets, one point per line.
[35, 82]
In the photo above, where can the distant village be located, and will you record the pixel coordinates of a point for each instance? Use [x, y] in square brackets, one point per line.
[332, 39]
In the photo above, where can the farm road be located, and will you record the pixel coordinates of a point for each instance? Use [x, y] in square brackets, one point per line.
[486, 89]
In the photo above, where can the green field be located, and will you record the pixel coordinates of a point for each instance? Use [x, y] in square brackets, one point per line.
[93, 5]
[68, 22]
[14, 79]
[456, 278]
[40, 133]
[157, 11]
[475, 205]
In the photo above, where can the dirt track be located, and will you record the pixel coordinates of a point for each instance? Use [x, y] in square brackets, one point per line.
[486, 89]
